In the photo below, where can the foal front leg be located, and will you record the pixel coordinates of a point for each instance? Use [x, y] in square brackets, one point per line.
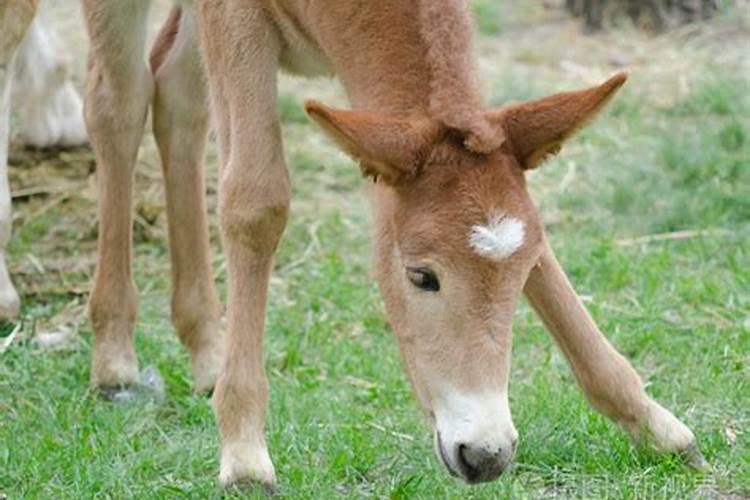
[608, 380]
[118, 91]
[241, 51]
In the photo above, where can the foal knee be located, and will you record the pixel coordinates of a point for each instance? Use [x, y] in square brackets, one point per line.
[254, 216]
[115, 107]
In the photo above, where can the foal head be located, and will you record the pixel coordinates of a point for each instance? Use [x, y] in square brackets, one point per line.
[456, 236]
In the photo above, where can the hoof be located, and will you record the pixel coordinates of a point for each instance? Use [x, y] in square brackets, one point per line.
[150, 386]
[663, 431]
[10, 304]
[206, 365]
[247, 486]
[118, 393]
[694, 459]
[247, 464]
[206, 369]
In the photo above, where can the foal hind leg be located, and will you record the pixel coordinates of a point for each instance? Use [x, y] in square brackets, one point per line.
[608, 380]
[118, 90]
[15, 18]
[181, 126]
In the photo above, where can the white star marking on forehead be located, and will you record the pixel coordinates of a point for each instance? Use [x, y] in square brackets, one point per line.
[499, 239]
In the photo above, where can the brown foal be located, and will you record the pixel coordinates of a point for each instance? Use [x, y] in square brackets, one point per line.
[457, 238]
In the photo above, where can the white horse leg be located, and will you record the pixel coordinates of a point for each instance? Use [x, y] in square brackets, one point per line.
[9, 302]
[49, 109]
[14, 19]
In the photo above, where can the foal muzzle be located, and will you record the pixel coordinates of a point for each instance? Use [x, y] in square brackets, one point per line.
[475, 463]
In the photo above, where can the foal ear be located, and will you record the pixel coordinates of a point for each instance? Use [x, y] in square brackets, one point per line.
[537, 129]
[386, 147]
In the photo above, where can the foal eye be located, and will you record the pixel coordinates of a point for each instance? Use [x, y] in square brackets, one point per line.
[423, 278]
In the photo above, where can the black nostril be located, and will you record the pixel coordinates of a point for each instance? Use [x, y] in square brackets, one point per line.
[479, 464]
[469, 469]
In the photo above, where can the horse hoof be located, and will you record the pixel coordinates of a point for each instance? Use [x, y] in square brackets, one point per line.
[117, 393]
[246, 486]
[695, 459]
[150, 386]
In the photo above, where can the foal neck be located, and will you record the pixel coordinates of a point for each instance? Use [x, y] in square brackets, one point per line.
[402, 58]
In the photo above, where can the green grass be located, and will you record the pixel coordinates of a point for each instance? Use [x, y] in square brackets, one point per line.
[290, 109]
[342, 420]
[487, 15]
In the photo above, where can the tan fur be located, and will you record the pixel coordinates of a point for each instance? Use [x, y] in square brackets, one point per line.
[537, 129]
[607, 379]
[442, 164]
[390, 149]
[15, 18]
[165, 39]
[455, 99]
[180, 123]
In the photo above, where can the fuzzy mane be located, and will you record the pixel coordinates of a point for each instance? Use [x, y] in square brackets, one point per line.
[455, 97]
